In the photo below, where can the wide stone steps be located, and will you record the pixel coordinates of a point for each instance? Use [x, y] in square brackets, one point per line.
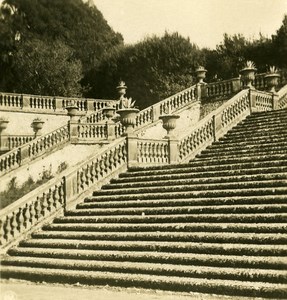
[272, 276]
[215, 225]
[185, 284]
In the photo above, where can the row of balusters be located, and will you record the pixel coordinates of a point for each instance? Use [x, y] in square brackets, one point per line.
[152, 152]
[196, 139]
[234, 110]
[263, 101]
[17, 141]
[26, 216]
[33, 148]
[101, 166]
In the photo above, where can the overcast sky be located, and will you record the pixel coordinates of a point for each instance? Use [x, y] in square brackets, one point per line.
[204, 21]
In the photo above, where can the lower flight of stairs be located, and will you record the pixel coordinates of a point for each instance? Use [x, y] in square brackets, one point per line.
[216, 225]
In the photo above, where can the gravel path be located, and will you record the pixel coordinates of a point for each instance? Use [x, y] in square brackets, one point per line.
[21, 290]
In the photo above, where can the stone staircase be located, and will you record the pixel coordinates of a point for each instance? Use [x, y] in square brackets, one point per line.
[215, 225]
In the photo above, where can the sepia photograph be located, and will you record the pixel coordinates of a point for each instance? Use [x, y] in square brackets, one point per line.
[143, 149]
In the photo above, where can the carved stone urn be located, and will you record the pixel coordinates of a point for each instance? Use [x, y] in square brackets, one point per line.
[37, 126]
[169, 124]
[128, 118]
[248, 75]
[272, 81]
[200, 74]
[73, 110]
[3, 124]
[109, 112]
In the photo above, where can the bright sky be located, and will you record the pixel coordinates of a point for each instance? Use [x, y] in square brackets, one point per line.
[204, 21]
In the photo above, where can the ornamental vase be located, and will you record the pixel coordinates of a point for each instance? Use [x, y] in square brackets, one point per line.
[247, 77]
[272, 81]
[128, 118]
[169, 124]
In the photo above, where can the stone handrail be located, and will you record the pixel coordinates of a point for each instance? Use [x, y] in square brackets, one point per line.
[168, 105]
[25, 213]
[29, 151]
[217, 123]
[48, 104]
[282, 97]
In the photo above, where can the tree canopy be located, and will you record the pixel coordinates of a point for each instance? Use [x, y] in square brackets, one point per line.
[78, 25]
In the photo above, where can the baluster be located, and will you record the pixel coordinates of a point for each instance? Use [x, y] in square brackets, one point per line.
[44, 205]
[7, 228]
[33, 213]
[27, 216]
[14, 225]
[21, 225]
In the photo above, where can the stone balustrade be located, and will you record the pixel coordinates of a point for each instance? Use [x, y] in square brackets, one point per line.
[264, 101]
[35, 148]
[221, 89]
[15, 141]
[48, 104]
[59, 193]
[24, 214]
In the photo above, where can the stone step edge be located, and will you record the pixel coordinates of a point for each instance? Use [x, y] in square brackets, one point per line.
[228, 287]
[266, 275]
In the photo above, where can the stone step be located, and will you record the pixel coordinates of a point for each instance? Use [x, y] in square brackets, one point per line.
[219, 260]
[189, 185]
[189, 218]
[170, 227]
[242, 142]
[232, 159]
[163, 202]
[258, 126]
[215, 155]
[184, 284]
[252, 131]
[251, 138]
[280, 161]
[235, 147]
[184, 194]
[186, 179]
[227, 175]
[165, 241]
[254, 208]
[272, 276]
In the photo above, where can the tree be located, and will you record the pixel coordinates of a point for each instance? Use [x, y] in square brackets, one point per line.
[75, 23]
[47, 69]
[153, 69]
[280, 45]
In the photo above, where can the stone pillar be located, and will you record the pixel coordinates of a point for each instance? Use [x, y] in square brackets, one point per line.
[37, 126]
[73, 113]
[4, 144]
[275, 101]
[252, 101]
[173, 150]
[132, 150]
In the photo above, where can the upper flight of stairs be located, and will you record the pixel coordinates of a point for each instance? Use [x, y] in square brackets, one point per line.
[215, 225]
